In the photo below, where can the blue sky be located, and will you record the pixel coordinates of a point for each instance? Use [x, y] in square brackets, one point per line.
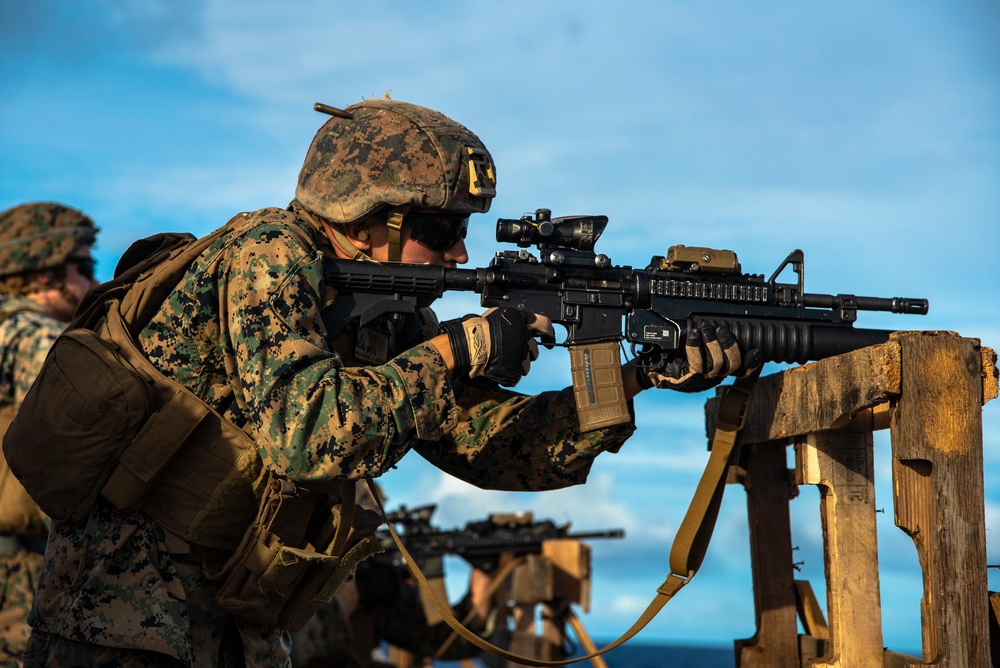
[866, 134]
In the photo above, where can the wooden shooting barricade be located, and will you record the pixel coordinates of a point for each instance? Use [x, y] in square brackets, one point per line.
[927, 389]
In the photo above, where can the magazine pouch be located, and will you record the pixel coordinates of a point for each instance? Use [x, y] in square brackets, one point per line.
[296, 555]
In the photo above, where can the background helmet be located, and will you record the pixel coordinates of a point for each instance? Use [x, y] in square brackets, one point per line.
[394, 154]
[41, 236]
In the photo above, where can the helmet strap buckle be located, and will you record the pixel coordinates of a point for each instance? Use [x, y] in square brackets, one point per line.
[395, 225]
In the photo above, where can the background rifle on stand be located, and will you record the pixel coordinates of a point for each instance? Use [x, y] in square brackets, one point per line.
[540, 571]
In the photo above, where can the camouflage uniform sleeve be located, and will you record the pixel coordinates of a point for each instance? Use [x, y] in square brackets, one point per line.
[316, 418]
[31, 352]
[31, 336]
[505, 440]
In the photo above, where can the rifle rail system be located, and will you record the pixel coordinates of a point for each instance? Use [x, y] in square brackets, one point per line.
[584, 292]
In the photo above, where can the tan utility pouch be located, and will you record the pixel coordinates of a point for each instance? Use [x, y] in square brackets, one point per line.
[302, 547]
[19, 514]
[89, 421]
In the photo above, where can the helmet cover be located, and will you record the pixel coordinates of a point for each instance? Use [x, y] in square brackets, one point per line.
[394, 154]
[41, 235]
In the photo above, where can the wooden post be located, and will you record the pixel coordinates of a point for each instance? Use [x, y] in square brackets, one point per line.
[556, 579]
[775, 645]
[937, 455]
[840, 463]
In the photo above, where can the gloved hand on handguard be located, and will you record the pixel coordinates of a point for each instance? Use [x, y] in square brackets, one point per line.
[711, 354]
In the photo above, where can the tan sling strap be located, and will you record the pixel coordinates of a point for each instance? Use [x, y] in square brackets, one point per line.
[689, 546]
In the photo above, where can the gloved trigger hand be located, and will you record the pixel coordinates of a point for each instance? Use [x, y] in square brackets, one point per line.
[497, 345]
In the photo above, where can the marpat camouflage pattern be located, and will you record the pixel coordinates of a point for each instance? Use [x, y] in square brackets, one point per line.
[26, 334]
[41, 235]
[394, 154]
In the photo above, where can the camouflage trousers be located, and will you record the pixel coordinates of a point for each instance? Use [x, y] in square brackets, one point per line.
[18, 575]
[325, 640]
[215, 640]
[47, 650]
[52, 651]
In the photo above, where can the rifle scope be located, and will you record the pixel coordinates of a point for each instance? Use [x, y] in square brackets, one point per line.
[579, 233]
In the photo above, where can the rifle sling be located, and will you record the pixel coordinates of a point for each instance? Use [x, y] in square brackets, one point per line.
[689, 546]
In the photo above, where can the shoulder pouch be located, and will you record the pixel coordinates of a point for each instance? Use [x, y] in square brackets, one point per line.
[81, 419]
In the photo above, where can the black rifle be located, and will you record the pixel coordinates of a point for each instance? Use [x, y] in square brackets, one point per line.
[481, 542]
[573, 286]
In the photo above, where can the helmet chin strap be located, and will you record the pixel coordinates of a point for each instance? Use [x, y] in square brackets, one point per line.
[336, 238]
[335, 235]
[395, 225]
[70, 298]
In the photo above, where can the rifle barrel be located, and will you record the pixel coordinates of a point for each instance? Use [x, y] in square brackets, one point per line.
[606, 533]
[905, 305]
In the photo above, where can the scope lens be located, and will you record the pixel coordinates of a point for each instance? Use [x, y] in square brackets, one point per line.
[515, 232]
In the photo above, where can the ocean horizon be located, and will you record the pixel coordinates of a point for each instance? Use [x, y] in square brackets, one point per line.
[650, 655]
[669, 655]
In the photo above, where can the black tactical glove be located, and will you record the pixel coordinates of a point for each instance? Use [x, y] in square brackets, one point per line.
[498, 344]
[711, 354]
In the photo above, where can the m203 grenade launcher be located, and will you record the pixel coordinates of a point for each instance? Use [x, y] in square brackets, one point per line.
[600, 304]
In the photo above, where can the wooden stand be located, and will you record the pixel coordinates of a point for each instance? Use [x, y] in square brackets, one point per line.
[534, 607]
[543, 593]
[928, 389]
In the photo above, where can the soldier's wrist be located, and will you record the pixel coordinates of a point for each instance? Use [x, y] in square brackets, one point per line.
[458, 347]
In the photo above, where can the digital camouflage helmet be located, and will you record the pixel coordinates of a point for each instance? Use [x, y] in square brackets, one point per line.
[41, 235]
[386, 154]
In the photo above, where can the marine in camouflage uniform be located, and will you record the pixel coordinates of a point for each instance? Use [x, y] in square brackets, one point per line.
[246, 331]
[35, 242]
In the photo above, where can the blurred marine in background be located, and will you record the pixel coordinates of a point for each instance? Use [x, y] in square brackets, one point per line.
[46, 267]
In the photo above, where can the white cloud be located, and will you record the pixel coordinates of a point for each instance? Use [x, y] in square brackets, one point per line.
[628, 605]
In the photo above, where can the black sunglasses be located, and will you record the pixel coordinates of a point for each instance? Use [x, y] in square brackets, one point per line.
[85, 265]
[438, 231]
